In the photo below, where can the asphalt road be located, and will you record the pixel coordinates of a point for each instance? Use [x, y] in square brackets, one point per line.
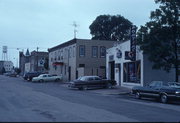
[50, 102]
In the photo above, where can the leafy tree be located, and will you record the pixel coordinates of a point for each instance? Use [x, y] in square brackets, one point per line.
[160, 37]
[17, 70]
[107, 27]
[46, 64]
[3, 70]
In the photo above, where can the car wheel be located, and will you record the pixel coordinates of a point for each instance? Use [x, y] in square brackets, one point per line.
[109, 86]
[84, 87]
[164, 98]
[41, 80]
[137, 95]
[57, 80]
[80, 88]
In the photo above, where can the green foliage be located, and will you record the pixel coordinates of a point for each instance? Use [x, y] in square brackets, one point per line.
[107, 27]
[17, 70]
[3, 70]
[158, 38]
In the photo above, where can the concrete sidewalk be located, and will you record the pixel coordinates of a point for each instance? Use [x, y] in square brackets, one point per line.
[117, 90]
[114, 91]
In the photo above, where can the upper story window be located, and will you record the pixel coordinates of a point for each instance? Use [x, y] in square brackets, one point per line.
[82, 51]
[94, 51]
[61, 54]
[74, 51]
[102, 52]
[70, 52]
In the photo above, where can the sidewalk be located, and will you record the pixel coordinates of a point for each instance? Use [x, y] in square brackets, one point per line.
[114, 91]
[117, 90]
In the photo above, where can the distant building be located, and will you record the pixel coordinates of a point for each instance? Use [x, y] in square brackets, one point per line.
[8, 66]
[79, 57]
[130, 73]
[33, 61]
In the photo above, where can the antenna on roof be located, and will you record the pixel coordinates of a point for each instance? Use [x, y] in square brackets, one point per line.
[75, 25]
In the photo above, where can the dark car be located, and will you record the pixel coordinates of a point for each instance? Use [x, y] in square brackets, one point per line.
[85, 82]
[163, 91]
[28, 76]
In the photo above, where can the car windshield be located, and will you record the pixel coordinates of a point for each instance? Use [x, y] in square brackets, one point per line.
[82, 78]
[174, 84]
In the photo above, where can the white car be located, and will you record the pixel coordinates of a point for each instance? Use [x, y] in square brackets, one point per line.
[46, 77]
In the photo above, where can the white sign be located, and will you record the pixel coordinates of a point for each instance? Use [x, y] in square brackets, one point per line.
[41, 63]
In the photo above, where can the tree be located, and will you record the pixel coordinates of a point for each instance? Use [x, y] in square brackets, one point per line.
[160, 37]
[107, 27]
[46, 64]
[17, 70]
[3, 70]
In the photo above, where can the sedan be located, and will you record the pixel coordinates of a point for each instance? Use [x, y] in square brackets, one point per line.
[46, 77]
[85, 82]
[163, 91]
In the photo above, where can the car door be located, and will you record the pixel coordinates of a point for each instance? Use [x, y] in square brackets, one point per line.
[153, 89]
[50, 78]
[99, 82]
[91, 82]
[45, 77]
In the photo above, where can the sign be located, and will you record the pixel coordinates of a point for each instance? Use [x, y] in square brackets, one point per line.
[119, 53]
[41, 63]
[111, 58]
[128, 55]
[133, 43]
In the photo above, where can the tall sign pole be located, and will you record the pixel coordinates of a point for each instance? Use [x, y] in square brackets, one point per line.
[133, 49]
[133, 43]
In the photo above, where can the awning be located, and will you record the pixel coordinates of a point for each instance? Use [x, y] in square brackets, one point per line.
[57, 63]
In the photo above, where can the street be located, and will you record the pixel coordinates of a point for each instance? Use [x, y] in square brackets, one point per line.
[55, 102]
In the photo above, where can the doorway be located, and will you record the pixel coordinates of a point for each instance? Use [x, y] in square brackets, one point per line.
[112, 70]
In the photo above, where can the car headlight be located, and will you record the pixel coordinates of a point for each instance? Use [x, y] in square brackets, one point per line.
[177, 92]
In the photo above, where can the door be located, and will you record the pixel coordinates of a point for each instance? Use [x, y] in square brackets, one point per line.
[112, 69]
[69, 78]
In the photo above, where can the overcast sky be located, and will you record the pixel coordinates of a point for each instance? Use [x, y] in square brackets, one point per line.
[47, 23]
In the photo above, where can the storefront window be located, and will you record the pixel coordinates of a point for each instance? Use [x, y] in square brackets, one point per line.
[132, 72]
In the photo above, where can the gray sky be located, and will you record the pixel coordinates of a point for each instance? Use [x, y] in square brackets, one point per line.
[47, 23]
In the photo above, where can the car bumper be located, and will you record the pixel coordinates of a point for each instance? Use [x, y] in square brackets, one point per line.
[174, 97]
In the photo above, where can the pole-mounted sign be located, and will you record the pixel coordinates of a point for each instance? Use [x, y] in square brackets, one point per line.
[133, 43]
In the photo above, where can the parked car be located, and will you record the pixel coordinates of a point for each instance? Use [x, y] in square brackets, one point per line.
[85, 82]
[13, 75]
[28, 76]
[46, 77]
[163, 91]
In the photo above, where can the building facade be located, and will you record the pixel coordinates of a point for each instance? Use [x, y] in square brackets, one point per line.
[132, 73]
[7, 65]
[31, 62]
[79, 57]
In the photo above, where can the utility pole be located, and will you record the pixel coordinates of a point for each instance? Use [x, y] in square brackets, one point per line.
[37, 59]
[75, 30]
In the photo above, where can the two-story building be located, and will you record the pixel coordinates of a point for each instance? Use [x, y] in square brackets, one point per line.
[31, 62]
[79, 57]
[7, 65]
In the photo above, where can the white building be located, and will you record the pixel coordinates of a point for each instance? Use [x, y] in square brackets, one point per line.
[8, 65]
[124, 71]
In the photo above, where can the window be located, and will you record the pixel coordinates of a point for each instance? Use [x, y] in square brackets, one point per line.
[82, 51]
[74, 50]
[81, 65]
[94, 51]
[61, 54]
[102, 52]
[70, 52]
[132, 72]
